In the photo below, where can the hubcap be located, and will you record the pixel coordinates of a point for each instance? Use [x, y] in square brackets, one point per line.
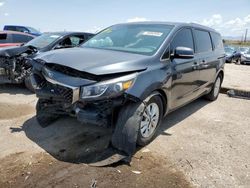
[217, 87]
[150, 119]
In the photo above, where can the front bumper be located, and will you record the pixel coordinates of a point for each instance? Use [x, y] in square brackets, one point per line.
[98, 112]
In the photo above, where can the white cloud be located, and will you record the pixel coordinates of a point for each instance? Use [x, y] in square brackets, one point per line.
[6, 14]
[2, 3]
[216, 19]
[137, 19]
[233, 27]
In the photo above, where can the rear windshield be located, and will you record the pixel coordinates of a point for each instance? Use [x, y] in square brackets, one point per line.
[141, 38]
[43, 40]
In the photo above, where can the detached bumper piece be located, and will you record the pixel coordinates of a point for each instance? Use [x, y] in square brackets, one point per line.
[91, 117]
[97, 112]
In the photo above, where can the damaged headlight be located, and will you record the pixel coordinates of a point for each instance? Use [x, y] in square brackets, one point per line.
[108, 88]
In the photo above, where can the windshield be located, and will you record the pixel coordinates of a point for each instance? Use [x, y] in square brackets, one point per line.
[142, 39]
[43, 40]
[32, 30]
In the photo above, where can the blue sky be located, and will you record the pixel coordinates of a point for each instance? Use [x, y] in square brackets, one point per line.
[230, 17]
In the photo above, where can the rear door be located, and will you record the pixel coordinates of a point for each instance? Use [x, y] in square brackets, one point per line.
[185, 74]
[207, 59]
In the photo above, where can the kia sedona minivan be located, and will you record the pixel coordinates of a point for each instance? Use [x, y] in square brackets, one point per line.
[129, 76]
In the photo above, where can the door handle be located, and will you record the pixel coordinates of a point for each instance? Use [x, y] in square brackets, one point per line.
[195, 65]
[204, 64]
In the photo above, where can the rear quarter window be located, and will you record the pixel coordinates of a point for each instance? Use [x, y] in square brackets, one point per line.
[217, 41]
[203, 41]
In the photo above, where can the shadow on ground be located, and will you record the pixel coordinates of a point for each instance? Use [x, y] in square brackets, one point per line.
[181, 114]
[68, 140]
[14, 89]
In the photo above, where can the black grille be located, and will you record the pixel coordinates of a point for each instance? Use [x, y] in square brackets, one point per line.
[60, 92]
[67, 93]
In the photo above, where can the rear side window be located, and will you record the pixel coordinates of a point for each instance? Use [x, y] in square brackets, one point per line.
[217, 41]
[21, 38]
[10, 28]
[22, 29]
[4, 38]
[203, 41]
[183, 38]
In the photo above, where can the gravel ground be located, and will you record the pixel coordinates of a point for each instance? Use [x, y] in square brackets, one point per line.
[200, 145]
[237, 77]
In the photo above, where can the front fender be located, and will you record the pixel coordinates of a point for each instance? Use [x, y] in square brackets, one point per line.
[157, 78]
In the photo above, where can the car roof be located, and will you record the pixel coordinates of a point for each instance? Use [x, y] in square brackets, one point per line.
[177, 24]
[16, 32]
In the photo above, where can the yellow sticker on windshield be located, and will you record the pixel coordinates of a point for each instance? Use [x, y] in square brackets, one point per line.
[152, 33]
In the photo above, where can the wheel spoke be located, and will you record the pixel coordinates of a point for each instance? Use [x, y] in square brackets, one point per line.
[144, 128]
[150, 120]
[146, 115]
[144, 123]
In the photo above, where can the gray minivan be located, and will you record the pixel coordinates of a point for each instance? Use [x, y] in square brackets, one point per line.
[129, 76]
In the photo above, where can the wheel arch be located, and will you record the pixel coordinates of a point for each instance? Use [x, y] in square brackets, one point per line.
[164, 99]
[220, 72]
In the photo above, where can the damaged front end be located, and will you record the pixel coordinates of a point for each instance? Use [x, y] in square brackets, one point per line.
[91, 99]
[14, 64]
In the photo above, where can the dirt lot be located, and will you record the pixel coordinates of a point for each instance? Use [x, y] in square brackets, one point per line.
[200, 145]
[237, 77]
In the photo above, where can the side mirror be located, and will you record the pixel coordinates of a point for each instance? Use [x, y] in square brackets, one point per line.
[183, 53]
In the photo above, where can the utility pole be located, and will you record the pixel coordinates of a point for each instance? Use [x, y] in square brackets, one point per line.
[246, 36]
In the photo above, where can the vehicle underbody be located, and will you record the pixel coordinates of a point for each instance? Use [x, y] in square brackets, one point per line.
[14, 64]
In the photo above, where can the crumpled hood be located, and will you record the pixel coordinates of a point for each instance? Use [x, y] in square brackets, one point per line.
[96, 61]
[15, 51]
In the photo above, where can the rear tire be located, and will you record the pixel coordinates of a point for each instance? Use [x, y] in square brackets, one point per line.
[214, 93]
[44, 114]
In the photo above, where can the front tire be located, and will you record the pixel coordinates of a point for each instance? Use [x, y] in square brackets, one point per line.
[150, 120]
[127, 133]
[28, 85]
[214, 93]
